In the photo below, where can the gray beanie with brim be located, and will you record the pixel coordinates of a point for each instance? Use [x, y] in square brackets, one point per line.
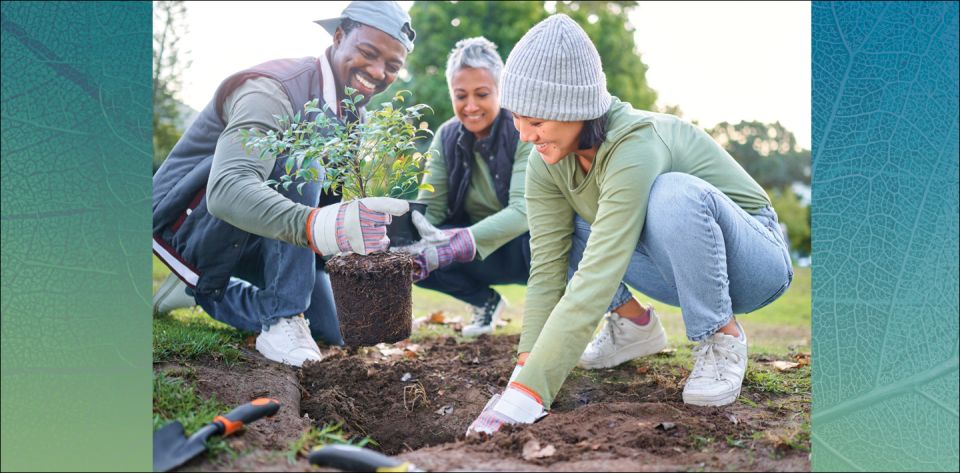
[554, 73]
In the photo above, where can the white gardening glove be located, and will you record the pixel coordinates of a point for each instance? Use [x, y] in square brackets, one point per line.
[438, 248]
[517, 405]
[358, 226]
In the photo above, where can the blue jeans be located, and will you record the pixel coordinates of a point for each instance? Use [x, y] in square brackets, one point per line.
[701, 251]
[275, 279]
[470, 282]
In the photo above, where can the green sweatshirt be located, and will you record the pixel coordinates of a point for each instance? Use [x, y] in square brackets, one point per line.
[492, 224]
[560, 316]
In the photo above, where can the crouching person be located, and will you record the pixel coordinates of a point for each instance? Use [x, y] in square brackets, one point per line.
[653, 201]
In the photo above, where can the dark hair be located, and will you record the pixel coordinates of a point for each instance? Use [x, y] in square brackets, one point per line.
[348, 25]
[593, 132]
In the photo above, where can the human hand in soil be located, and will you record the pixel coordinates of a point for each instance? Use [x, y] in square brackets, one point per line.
[517, 405]
[358, 226]
[439, 248]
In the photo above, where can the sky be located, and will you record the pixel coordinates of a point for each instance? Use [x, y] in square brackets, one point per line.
[719, 61]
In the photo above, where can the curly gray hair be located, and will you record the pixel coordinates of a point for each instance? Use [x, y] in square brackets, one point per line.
[476, 52]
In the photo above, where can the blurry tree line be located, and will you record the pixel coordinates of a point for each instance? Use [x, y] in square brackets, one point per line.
[169, 62]
[768, 151]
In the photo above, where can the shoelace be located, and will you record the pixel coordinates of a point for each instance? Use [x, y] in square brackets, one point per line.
[610, 329]
[708, 350]
[297, 329]
[484, 315]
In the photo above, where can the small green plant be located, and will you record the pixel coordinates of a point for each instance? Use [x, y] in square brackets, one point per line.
[374, 157]
[329, 434]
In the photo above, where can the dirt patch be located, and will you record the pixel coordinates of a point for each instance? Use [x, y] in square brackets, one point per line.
[410, 403]
[374, 297]
[417, 404]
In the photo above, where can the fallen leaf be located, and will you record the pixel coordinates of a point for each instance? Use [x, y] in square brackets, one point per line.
[802, 358]
[445, 410]
[643, 369]
[532, 450]
[419, 321]
[665, 426]
[437, 317]
[785, 365]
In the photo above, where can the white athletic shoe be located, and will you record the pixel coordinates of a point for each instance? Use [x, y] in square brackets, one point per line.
[718, 369]
[621, 340]
[289, 342]
[172, 294]
[485, 317]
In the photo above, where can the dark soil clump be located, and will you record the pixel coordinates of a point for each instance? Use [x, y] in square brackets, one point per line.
[410, 403]
[374, 297]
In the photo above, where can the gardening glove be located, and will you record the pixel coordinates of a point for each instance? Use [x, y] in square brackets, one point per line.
[438, 248]
[358, 226]
[517, 405]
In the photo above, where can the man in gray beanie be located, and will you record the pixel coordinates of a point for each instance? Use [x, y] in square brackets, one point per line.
[626, 196]
[248, 253]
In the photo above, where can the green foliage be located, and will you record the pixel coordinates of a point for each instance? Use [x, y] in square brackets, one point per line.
[441, 24]
[768, 151]
[369, 158]
[168, 66]
[795, 216]
[176, 399]
[330, 434]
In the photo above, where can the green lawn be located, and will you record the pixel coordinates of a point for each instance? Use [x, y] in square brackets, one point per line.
[777, 328]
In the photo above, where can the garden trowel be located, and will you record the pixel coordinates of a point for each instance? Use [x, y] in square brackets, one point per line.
[350, 458]
[172, 448]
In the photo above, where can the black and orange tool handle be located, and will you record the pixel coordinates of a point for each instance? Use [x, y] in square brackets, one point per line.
[256, 409]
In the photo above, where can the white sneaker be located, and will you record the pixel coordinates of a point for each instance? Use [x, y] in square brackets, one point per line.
[289, 342]
[485, 317]
[621, 340]
[721, 362]
[172, 294]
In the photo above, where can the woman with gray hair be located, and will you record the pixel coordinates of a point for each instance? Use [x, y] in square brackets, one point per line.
[477, 169]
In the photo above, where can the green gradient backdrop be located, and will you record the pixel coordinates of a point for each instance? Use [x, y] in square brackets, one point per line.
[75, 216]
[885, 231]
[76, 141]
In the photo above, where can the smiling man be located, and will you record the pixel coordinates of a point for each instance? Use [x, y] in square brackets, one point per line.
[248, 253]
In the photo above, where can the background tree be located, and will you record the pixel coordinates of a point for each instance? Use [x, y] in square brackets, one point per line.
[440, 25]
[768, 151]
[168, 64]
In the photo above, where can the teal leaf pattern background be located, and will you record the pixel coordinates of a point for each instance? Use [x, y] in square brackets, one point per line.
[885, 236]
[76, 180]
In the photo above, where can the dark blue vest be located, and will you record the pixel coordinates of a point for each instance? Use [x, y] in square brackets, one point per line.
[183, 229]
[497, 150]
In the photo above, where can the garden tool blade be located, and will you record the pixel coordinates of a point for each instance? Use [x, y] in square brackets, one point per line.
[172, 448]
[350, 458]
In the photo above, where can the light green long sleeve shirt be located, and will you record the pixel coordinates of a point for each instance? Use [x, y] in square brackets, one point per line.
[559, 315]
[492, 224]
[235, 190]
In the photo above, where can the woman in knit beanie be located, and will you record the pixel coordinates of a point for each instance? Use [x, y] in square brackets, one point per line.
[627, 196]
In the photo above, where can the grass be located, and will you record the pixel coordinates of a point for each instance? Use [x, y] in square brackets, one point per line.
[190, 334]
[175, 398]
[330, 434]
[775, 329]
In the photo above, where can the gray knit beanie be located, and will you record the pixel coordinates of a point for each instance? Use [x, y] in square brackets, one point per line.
[554, 73]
